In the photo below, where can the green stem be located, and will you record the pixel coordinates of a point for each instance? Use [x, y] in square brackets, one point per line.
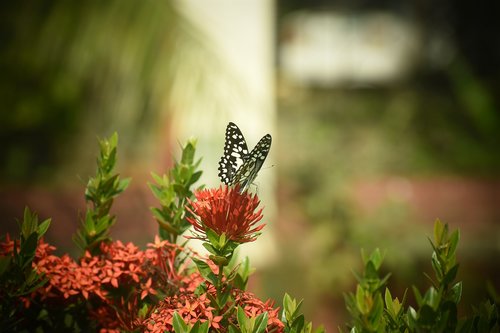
[218, 288]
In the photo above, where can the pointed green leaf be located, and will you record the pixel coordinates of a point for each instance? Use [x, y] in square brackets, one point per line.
[454, 239]
[203, 327]
[389, 303]
[210, 248]
[298, 324]
[43, 227]
[179, 325]
[450, 275]
[205, 271]
[438, 231]
[243, 321]
[377, 258]
[188, 152]
[418, 296]
[195, 177]
[260, 323]
[456, 292]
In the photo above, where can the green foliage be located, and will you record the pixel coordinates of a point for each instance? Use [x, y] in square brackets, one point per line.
[436, 309]
[249, 324]
[181, 327]
[100, 192]
[17, 276]
[366, 306]
[72, 293]
[173, 190]
[240, 274]
[292, 318]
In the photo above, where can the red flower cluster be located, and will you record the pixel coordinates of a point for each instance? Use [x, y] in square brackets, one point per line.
[119, 266]
[113, 281]
[253, 307]
[190, 307]
[117, 283]
[194, 308]
[226, 211]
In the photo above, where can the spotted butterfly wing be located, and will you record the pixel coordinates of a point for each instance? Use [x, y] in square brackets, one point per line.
[247, 173]
[235, 149]
[236, 165]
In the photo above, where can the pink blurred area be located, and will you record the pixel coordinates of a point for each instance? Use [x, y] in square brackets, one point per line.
[66, 206]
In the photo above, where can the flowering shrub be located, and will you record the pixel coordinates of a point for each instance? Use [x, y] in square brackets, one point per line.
[116, 287]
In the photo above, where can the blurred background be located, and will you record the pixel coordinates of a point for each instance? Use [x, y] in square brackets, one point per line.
[384, 117]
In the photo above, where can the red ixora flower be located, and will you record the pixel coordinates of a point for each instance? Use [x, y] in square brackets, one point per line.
[226, 210]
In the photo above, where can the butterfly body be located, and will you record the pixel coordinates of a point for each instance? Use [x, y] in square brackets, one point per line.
[237, 165]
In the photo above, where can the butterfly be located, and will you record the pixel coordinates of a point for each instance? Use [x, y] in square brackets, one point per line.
[237, 165]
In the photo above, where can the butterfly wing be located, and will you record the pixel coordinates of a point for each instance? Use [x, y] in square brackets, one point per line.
[235, 152]
[247, 172]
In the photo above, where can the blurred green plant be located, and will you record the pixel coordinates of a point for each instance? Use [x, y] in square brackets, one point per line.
[116, 286]
[68, 67]
[172, 191]
[436, 309]
[293, 319]
[18, 278]
[100, 192]
[442, 126]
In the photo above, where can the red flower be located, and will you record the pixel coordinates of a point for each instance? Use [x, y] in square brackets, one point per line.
[226, 211]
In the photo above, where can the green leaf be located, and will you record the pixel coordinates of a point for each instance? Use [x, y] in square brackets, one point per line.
[377, 258]
[159, 180]
[298, 324]
[223, 298]
[456, 292]
[29, 224]
[213, 238]
[436, 265]
[377, 310]
[113, 140]
[188, 152]
[412, 319]
[203, 327]
[389, 303]
[260, 323]
[454, 239]
[28, 249]
[210, 248]
[296, 311]
[418, 296]
[371, 271]
[195, 177]
[123, 185]
[360, 300]
[179, 325]
[288, 308]
[43, 227]
[205, 271]
[427, 316]
[438, 231]
[450, 275]
[432, 298]
[244, 322]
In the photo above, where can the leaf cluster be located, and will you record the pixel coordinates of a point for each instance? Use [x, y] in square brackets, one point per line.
[436, 308]
[172, 191]
[100, 192]
[294, 320]
[17, 276]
